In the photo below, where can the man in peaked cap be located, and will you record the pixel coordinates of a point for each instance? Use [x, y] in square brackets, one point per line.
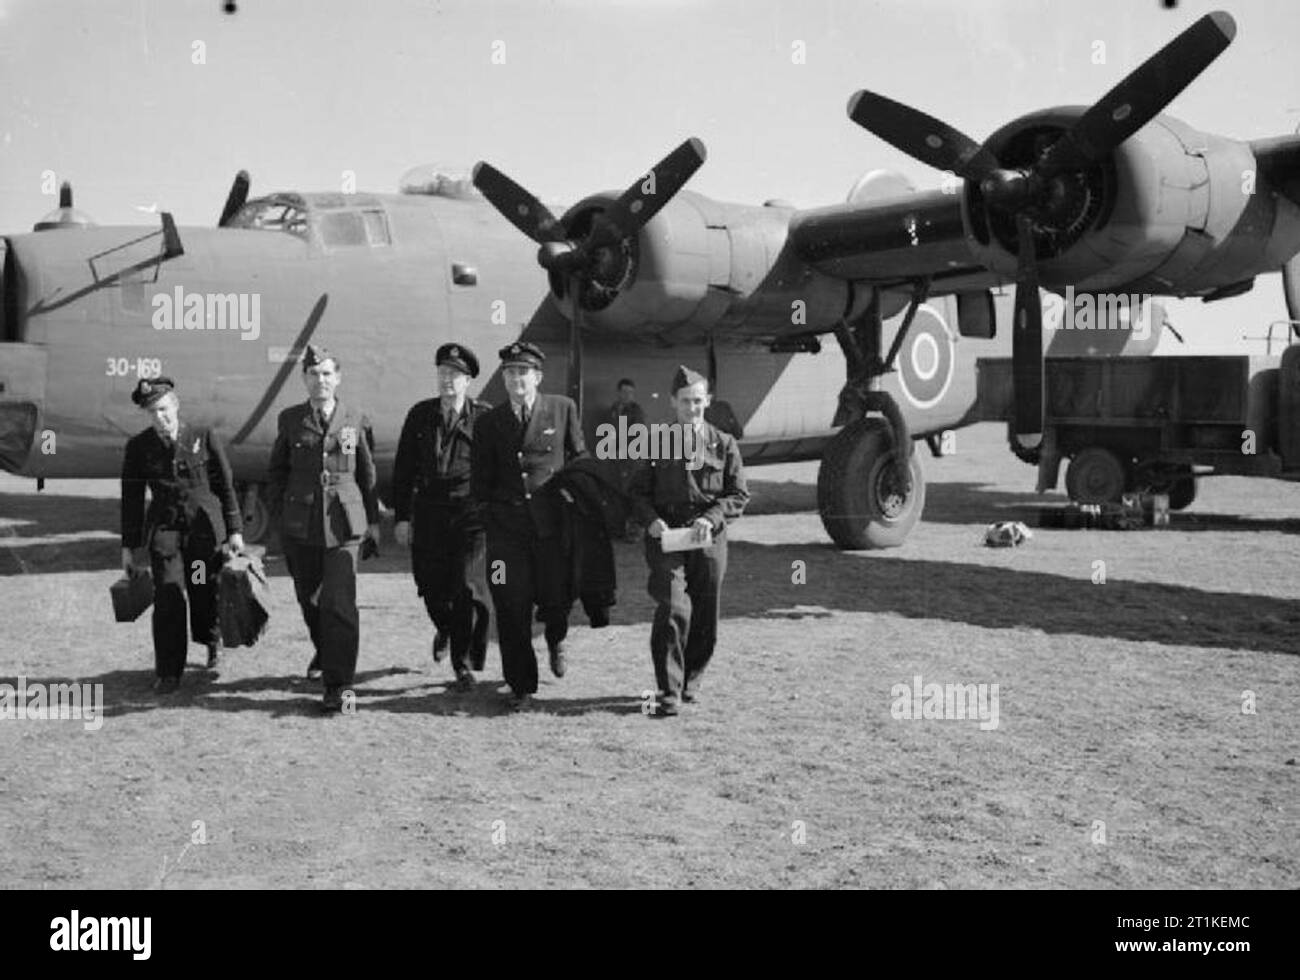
[518, 447]
[322, 493]
[431, 496]
[704, 491]
[192, 511]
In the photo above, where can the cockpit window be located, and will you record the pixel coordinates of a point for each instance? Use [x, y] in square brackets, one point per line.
[272, 216]
[326, 219]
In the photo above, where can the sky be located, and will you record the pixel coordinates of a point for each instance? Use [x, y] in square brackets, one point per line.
[144, 103]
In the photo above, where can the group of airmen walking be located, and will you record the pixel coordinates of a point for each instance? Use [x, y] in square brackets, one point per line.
[467, 498]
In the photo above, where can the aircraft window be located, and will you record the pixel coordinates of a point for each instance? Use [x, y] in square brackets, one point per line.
[344, 229]
[272, 216]
[132, 292]
[341, 229]
[377, 228]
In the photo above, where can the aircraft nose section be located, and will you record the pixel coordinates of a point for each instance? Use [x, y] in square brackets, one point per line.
[22, 393]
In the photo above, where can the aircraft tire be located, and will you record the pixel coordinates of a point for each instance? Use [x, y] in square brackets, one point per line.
[1182, 492]
[1095, 476]
[859, 505]
[257, 517]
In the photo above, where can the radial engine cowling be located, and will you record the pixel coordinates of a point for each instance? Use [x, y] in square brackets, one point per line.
[698, 264]
[1171, 211]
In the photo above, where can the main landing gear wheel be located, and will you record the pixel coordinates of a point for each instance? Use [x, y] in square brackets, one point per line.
[1095, 476]
[1182, 492]
[257, 518]
[860, 495]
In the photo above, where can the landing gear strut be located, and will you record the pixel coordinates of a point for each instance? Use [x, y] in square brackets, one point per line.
[870, 488]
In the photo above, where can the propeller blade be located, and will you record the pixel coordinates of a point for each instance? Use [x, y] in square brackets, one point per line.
[920, 136]
[649, 194]
[172, 246]
[1291, 288]
[516, 205]
[236, 198]
[575, 349]
[1027, 342]
[1141, 96]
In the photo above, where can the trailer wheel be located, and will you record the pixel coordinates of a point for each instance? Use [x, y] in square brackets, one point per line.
[859, 495]
[1182, 492]
[1095, 476]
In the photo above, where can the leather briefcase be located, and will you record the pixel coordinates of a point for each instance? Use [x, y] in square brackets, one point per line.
[132, 595]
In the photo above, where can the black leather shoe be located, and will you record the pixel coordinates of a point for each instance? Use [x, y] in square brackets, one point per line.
[167, 685]
[558, 665]
[332, 702]
[464, 681]
[521, 702]
[441, 641]
[313, 669]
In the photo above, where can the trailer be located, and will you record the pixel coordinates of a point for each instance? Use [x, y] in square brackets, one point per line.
[1152, 424]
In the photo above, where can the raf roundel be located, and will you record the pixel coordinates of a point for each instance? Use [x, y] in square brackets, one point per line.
[926, 360]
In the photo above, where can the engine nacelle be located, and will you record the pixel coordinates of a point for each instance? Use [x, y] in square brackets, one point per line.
[699, 264]
[1173, 211]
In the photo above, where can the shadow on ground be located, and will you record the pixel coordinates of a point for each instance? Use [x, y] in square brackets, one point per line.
[758, 577]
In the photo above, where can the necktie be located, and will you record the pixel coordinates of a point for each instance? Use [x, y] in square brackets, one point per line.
[523, 418]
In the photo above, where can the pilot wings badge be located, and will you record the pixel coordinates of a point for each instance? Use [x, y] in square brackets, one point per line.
[348, 440]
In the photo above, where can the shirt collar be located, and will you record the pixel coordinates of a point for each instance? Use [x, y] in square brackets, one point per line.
[528, 404]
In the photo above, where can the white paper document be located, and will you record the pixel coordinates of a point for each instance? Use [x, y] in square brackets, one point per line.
[683, 539]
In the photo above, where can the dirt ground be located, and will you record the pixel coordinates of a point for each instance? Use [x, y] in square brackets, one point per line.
[1123, 756]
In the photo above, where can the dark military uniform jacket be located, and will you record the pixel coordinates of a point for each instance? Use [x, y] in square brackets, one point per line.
[510, 466]
[322, 483]
[433, 463]
[185, 480]
[716, 490]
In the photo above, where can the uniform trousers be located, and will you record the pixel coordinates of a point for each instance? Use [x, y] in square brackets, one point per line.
[184, 564]
[687, 588]
[448, 559]
[525, 571]
[325, 583]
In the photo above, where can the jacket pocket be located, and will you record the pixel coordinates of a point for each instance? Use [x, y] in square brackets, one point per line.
[709, 473]
[295, 515]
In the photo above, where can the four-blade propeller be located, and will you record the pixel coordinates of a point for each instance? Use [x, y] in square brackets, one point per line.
[595, 258]
[1031, 194]
[580, 258]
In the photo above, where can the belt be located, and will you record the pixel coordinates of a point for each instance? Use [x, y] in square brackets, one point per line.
[334, 479]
